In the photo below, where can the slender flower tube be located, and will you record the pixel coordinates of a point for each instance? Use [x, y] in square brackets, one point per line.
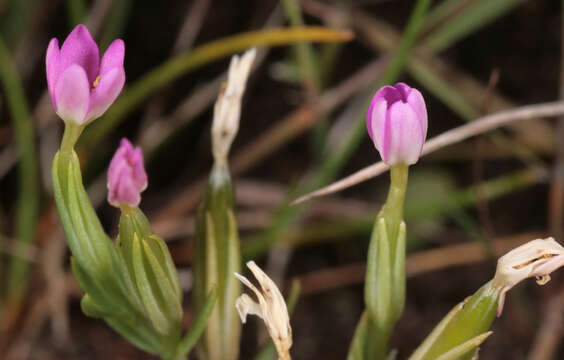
[397, 123]
[81, 86]
[126, 176]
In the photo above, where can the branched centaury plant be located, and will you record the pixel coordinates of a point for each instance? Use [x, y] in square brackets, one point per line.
[217, 249]
[131, 283]
[466, 326]
[270, 307]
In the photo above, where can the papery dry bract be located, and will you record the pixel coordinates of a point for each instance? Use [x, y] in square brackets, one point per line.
[537, 258]
[271, 307]
[227, 109]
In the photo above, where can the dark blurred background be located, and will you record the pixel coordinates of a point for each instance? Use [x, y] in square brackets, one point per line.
[467, 204]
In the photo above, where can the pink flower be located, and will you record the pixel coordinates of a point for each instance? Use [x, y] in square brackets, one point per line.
[126, 176]
[397, 123]
[81, 87]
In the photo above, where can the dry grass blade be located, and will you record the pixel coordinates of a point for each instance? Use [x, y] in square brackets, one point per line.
[477, 127]
[416, 264]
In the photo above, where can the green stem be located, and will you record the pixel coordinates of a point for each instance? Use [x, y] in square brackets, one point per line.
[70, 136]
[392, 210]
[377, 347]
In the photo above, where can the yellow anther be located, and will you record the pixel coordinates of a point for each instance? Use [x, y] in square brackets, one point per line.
[97, 81]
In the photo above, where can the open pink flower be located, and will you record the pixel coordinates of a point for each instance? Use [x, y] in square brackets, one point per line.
[397, 123]
[81, 87]
[126, 175]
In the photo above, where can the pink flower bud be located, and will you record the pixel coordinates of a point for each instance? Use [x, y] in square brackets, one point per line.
[81, 87]
[397, 123]
[126, 176]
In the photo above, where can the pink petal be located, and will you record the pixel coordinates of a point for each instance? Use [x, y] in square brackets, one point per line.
[406, 140]
[105, 93]
[379, 126]
[403, 90]
[72, 93]
[79, 48]
[390, 93]
[52, 68]
[123, 190]
[415, 99]
[126, 175]
[113, 57]
[139, 174]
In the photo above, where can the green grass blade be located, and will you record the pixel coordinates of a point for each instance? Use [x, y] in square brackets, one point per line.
[76, 11]
[481, 13]
[199, 325]
[28, 193]
[116, 22]
[185, 63]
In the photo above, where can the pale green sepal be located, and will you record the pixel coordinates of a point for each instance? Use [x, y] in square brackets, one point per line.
[231, 324]
[105, 301]
[168, 267]
[217, 256]
[151, 304]
[196, 330]
[85, 240]
[398, 274]
[126, 274]
[82, 254]
[138, 334]
[212, 338]
[164, 289]
[467, 348]
[378, 288]
[89, 308]
[358, 343]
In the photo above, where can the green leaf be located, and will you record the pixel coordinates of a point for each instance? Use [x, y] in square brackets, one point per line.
[197, 328]
[356, 351]
[466, 321]
[437, 331]
[467, 348]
